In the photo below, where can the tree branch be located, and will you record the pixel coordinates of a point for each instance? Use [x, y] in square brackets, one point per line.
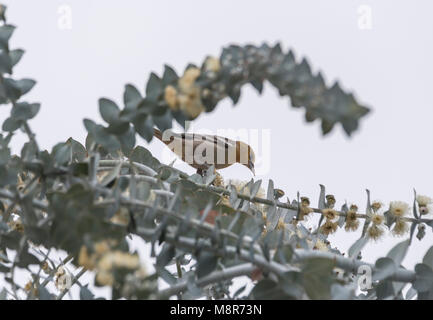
[217, 276]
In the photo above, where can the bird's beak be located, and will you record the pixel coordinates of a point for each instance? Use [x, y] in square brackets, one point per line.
[251, 167]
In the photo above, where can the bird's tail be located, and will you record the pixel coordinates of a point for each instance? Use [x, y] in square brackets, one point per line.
[157, 133]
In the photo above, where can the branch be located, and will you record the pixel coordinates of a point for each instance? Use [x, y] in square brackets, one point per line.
[253, 199]
[351, 265]
[6, 194]
[226, 251]
[202, 227]
[217, 276]
[145, 169]
[293, 207]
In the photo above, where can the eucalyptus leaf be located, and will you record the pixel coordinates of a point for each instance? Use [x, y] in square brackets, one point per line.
[86, 294]
[428, 258]
[154, 87]
[206, 263]
[131, 97]
[109, 110]
[398, 252]
[424, 278]
[384, 268]
[356, 248]
[16, 55]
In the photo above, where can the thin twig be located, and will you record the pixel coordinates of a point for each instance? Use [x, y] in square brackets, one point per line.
[30, 134]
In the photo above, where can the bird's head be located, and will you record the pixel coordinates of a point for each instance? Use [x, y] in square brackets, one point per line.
[245, 155]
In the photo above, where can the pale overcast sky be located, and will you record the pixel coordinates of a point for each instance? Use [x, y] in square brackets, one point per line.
[387, 66]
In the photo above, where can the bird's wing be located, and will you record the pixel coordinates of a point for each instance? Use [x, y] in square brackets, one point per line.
[186, 144]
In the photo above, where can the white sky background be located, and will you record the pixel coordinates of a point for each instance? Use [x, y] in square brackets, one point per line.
[389, 68]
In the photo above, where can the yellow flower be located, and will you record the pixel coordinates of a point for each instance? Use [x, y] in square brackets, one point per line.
[62, 278]
[280, 225]
[28, 286]
[304, 211]
[16, 225]
[320, 245]
[191, 103]
[352, 222]
[400, 228]
[376, 205]
[141, 273]
[189, 97]
[106, 262]
[60, 271]
[329, 227]
[351, 215]
[85, 260]
[241, 189]
[104, 278]
[126, 260]
[170, 97]
[423, 201]
[354, 207]
[305, 201]
[121, 217]
[377, 219]
[118, 259]
[188, 79]
[239, 185]
[219, 180]
[101, 247]
[398, 208]
[45, 267]
[112, 260]
[278, 193]
[330, 214]
[351, 225]
[330, 201]
[212, 64]
[225, 201]
[375, 232]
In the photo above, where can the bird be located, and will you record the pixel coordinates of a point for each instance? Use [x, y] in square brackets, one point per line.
[201, 151]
